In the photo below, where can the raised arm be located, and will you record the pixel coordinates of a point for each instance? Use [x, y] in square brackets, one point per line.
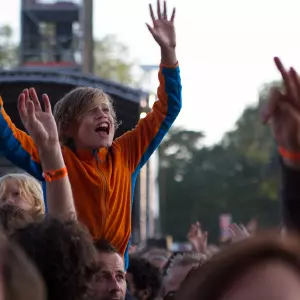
[282, 111]
[138, 145]
[17, 146]
[44, 133]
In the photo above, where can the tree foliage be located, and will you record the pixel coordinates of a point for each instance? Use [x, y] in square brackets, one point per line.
[238, 176]
[111, 60]
[111, 56]
[8, 49]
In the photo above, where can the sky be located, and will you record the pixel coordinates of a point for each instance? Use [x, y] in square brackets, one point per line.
[225, 50]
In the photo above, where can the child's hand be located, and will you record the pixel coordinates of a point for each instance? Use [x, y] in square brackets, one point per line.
[283, 111]
[163, 30]
[40, 124]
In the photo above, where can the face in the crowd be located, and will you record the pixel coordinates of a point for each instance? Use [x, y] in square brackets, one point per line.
[95, 129]
[175, 278]
[270, 280]
[11, 194]
[110, 282]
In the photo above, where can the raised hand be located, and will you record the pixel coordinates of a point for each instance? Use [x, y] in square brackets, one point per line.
[197, 238]
[163, 29]
[238, 232]
[39, 124]
[282, 110]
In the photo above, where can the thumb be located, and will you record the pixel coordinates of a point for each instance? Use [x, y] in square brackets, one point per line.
[150, 29]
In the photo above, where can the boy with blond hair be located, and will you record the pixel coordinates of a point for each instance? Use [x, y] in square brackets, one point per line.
[102, 172]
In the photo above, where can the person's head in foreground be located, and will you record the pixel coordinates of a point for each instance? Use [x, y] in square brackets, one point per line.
[144, 279]
[64, 254]
[85, 119]
[19, 278]
[177, 269]
[22, 191]
[110, 281]
[262, 267]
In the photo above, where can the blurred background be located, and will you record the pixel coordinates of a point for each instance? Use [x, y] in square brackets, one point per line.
[218, 164]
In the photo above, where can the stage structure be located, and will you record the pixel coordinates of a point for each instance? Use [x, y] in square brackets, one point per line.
[55, 57]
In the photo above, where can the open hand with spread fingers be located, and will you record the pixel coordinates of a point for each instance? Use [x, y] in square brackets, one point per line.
[163, 31]
[238, 232]
[282, 110]
[39, 124]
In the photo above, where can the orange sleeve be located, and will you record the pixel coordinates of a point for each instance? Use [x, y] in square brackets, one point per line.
[138, 144]
[18, 147]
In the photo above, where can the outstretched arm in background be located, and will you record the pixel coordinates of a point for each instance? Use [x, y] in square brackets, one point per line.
[138, 144]
[282, 111]
[197, 238]
[44, 134]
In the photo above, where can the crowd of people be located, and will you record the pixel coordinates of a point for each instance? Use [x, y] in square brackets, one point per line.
[66, 221]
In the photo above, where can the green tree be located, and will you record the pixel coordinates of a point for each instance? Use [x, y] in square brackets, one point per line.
[111, 60]
[8, 49]
[237, 176]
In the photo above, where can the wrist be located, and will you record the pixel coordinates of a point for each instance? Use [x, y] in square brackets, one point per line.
[168, 56]
[290, 159]
[295, 165]
[51, 158]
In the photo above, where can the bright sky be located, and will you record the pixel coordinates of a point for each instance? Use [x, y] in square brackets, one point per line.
[225, 50]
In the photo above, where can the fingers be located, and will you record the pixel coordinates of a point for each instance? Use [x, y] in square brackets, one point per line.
[34, 98]
[296, 83]
[47, 103]
[22, 107]
[275, 96]
[173, 15]
[165, 14]
[30, 110]
[161, 14]
[285, 76]
[151, 13]
[195, 230]
[26, 93]
[158, 10]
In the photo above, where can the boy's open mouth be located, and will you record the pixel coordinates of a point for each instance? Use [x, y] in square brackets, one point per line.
[102, 128]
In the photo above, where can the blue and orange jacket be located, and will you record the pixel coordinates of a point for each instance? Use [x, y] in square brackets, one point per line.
[103, 181]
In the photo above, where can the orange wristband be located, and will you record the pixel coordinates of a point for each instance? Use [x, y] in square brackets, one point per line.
[292, 156]
[55, 174]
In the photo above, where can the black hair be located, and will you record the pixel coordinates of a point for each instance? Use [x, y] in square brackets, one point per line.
[104, 246]
[145, 275]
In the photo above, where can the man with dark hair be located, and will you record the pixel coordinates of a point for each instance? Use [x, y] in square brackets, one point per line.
[144, 279]
[110, 281]
[102, 246]
[64, 253]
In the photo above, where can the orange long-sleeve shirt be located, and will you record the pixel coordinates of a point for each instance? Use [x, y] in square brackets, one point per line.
[103, 181]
